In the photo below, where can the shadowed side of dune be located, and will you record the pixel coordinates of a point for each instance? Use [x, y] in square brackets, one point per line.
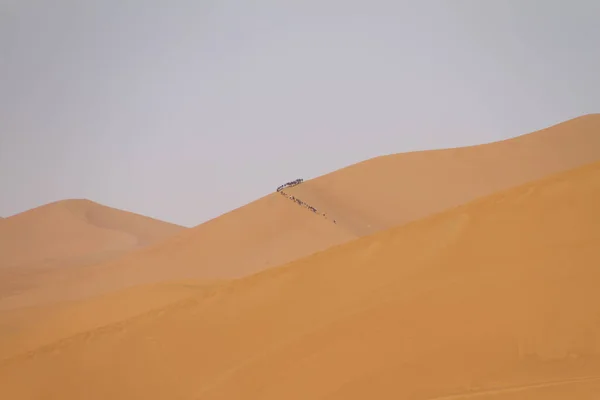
[494, 298]
[388, 191]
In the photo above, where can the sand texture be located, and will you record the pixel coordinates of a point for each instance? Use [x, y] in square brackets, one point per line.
[467, 273]
[495, 299]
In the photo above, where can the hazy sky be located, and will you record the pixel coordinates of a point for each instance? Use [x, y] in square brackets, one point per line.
[182, 110]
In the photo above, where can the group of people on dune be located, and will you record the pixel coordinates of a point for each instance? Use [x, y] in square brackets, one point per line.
[290, 184]
[296, 200]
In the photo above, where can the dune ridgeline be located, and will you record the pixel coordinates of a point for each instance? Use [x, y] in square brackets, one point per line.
[467, 273]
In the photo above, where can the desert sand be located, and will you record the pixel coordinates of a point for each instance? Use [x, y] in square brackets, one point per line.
[495, 299]
[64, 231]
[363, 199]
[263, 234]
[66, 234]
[448, 274]
[387, 191]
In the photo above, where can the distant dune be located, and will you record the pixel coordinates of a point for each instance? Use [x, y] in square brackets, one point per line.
[70, 233]
[495, 299]
[388, 191]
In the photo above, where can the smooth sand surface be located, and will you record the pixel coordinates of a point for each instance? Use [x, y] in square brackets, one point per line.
[495, 299]
[364, 198]
[55, 233]
[25, 329]
[70, 233]
[260, 235]
[389, 191]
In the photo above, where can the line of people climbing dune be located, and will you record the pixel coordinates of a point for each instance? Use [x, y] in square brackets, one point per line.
[296, 200]
[300, 202]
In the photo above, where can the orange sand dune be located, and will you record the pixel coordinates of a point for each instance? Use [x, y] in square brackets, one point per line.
[68, 229]
[263, 234]
[496, 299]
[388, 191]
[363, 198]
[70, 233]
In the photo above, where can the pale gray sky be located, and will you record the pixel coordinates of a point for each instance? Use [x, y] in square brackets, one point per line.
[183, 110]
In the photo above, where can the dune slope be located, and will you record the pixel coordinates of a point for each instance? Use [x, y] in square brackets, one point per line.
[25, 329]
[391, 190]
[262, 234]
[496, 299]
[70, 233]
[57, 232]
[364, 198]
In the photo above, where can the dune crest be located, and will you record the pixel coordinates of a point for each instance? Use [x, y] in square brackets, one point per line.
[388, 191]
[493, 299]
[70, 233]
[69, 228]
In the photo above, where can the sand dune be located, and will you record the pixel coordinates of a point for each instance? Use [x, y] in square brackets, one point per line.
[364, 198]
[494, 299]
[388, 191]
[263, 234]
[67, 234]
[25, 329]
[63, 230]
